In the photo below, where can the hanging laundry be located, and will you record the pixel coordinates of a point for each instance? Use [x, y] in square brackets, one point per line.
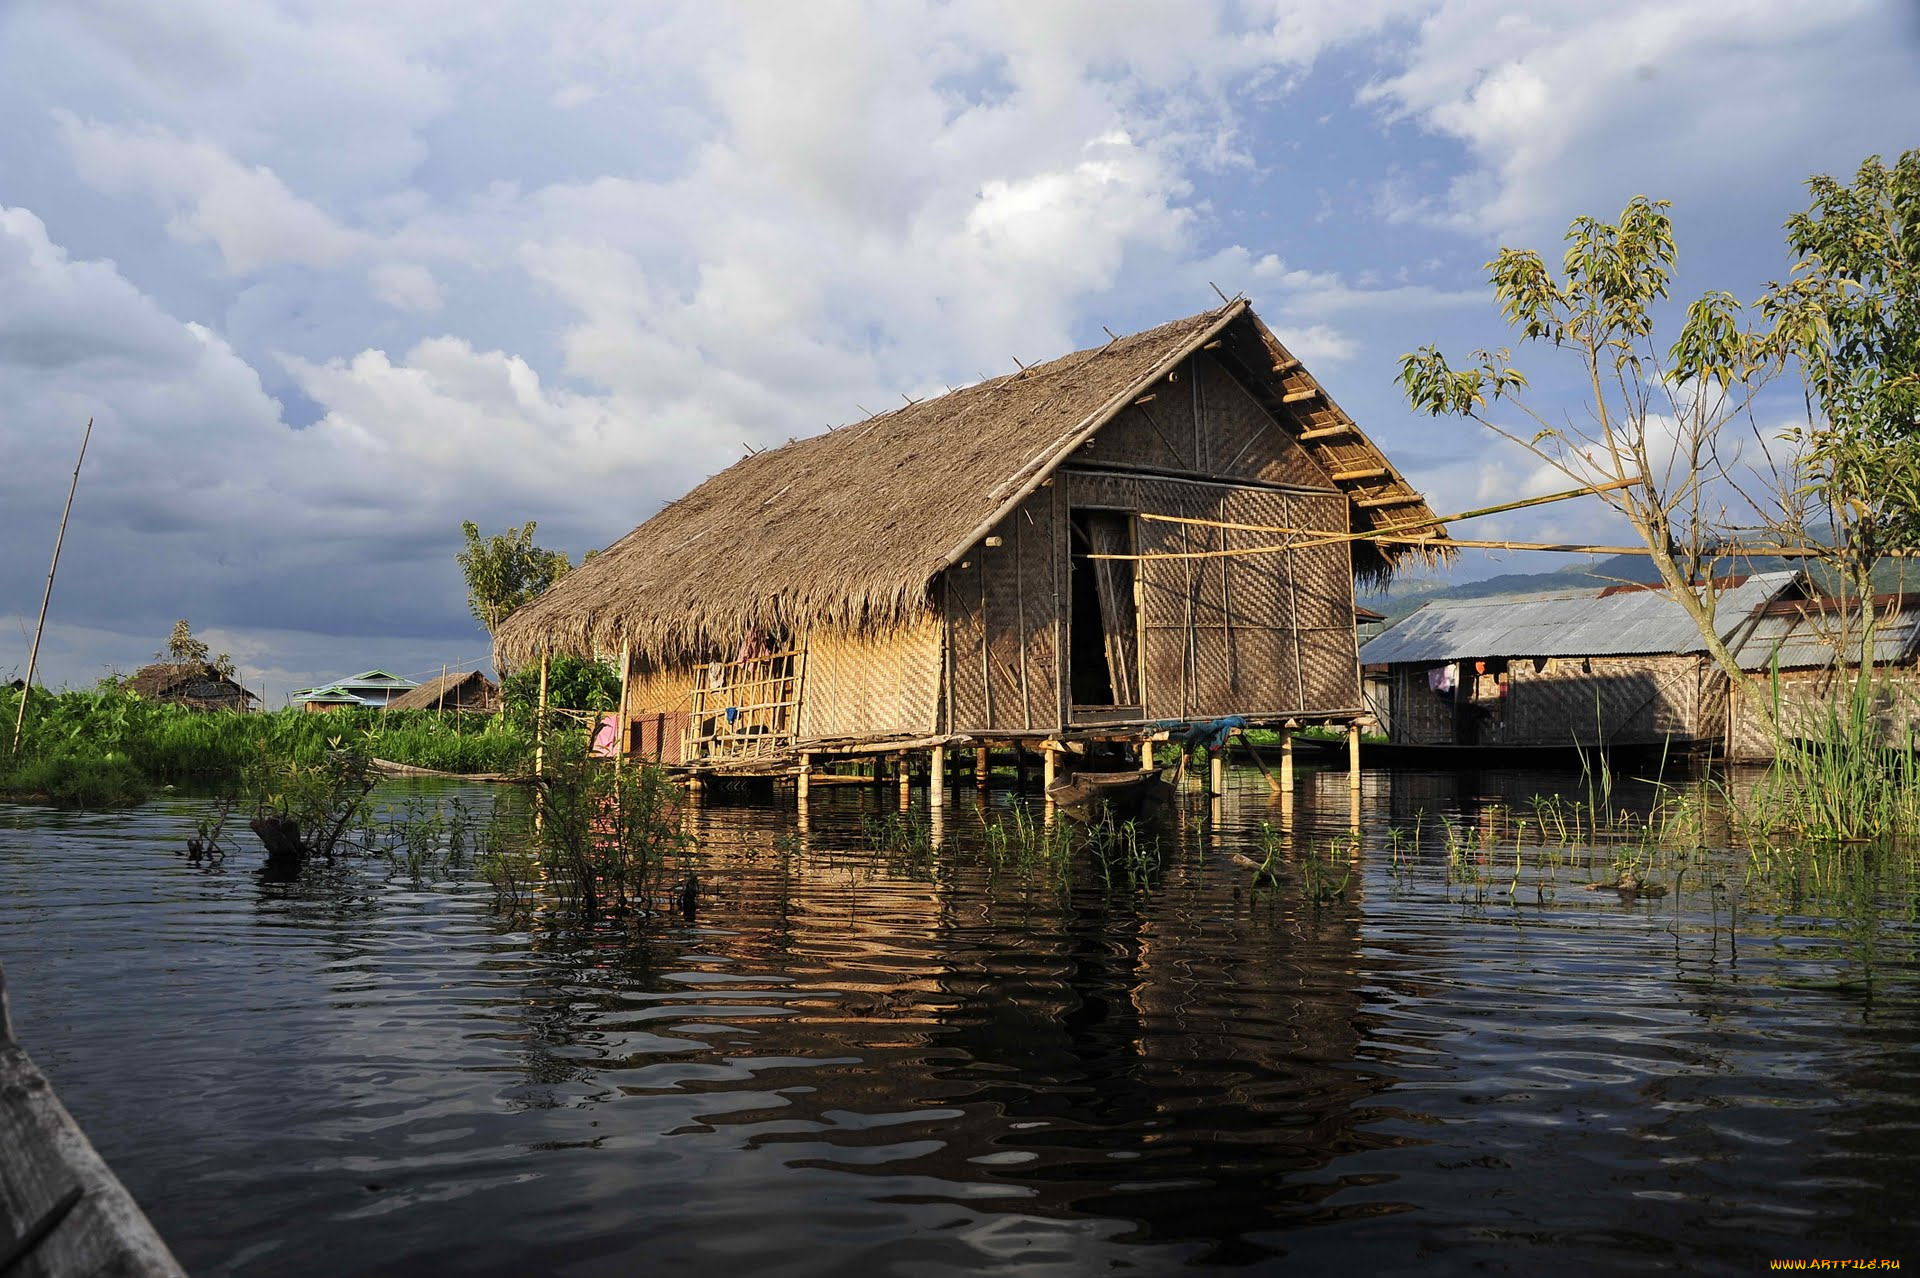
[1442, 679]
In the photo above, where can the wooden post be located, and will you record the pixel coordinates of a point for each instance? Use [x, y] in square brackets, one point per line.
[800, 783]
[1353, 757]
[981, 766]
[937, 777]
[33, 656]
[1048, 765]
[1217, 773]
[904, 765]
[440, 710]
[1146, 756]
[1286, 760]
[540, 725]
[626, 720]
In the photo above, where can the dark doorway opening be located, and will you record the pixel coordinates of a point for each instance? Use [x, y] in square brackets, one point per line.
[1103, 636]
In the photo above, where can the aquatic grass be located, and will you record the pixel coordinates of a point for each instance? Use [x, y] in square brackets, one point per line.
[103, 747]
[1843, 777]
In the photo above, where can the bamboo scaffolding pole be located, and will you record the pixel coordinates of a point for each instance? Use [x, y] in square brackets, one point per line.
[33, 657]
[1325, 537]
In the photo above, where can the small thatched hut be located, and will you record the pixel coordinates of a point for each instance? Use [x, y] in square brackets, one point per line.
[457, 690]
[931, 574]
[194, 684]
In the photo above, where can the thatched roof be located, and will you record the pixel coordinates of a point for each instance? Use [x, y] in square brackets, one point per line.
[846, 529]
[457, 690]
[189, 681]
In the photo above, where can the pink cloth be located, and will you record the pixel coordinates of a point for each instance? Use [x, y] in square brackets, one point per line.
[606, 737]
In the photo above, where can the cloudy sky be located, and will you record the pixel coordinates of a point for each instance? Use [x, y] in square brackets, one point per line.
[332, 277]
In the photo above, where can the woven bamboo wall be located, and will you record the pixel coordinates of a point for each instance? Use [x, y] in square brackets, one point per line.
[871, 685]
[657, 702]
[1258, 634]
[1203, 421]
[1622, 700]
[1003, 608]
[1808, 697]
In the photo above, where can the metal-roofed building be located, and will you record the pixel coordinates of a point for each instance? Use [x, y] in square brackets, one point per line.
[1797, 637]
[1622, 666]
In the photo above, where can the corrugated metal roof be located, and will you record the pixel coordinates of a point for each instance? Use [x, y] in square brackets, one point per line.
[1564, 623]
[1805, 638]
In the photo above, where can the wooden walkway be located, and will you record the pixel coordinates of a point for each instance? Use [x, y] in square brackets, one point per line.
[63, 1213]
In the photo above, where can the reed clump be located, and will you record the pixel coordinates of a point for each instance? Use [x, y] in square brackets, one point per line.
[1844, 774]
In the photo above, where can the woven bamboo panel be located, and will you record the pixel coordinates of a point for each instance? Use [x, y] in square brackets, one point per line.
[1329, 668]
[1002, 610]
[877, 684]
[659, 689]
[1239, 438]
[1158, 434]
[966, 637]
[1809, 697]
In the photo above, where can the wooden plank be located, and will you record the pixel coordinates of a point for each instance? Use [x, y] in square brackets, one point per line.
[1397, 499]
[1300, 396]
[44, 1159]
[1347, 476]
[1325, 432]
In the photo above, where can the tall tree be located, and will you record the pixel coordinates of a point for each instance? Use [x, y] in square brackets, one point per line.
[184, 646]
[506, 570]
[1849, 314]
[1653, 414]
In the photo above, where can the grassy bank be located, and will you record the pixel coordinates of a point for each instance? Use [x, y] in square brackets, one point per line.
[104, 748]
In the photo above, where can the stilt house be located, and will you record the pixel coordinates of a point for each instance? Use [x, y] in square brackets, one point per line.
[933, 574]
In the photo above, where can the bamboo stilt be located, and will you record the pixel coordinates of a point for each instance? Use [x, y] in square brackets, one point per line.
[540, 727]
[1353, 757]
[33, 656]
[1286, 761]
[937, 777]
[981, 766]
[904, 766]
[626, 719]
[806, 775]
[1216, 773]
[1146, 756]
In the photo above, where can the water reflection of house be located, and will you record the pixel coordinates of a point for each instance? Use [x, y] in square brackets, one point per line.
[1622, 665]
[929, 575]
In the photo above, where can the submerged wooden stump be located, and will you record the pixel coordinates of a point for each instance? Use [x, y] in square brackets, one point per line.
[281, 835]
[63, 1212]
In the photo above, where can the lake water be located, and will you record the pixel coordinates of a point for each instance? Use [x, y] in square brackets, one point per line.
[1408, 1057]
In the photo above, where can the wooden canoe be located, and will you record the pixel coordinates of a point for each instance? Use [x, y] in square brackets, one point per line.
[1123, 794]
[63, 1213]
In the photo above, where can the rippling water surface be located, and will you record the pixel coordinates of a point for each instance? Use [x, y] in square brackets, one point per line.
[1408, 1056]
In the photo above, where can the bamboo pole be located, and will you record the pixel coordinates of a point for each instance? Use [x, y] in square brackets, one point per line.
[540, 725]
[1500, 509]
[937, 777]
[626, 723]
[440, 710]
[33, 656]
[1353, 757]
[1258, 761]
[1286, 760]
[1328, 537]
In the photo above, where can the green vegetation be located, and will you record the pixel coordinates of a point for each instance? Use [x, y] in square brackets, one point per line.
[573, 683]
[1841, 778]
[107, 748]
[505, 571]
[603, 839]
